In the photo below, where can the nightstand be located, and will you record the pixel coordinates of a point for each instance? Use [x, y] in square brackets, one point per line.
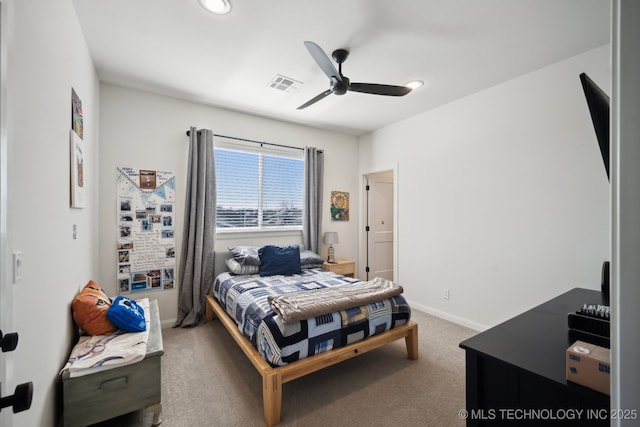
[341, 266]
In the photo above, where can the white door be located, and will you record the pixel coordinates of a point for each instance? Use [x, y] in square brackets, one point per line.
[380, 225]
[5, 302]
[16, 398]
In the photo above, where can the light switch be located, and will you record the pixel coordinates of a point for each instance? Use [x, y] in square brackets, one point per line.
[75, 231]
[17, 267]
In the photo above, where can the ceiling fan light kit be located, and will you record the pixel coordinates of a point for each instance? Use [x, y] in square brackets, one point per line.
[339, 84]
[219, 7]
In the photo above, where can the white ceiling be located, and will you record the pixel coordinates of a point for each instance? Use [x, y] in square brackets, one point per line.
[457, 47]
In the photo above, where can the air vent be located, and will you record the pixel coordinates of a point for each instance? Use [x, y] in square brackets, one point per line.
[284, 84]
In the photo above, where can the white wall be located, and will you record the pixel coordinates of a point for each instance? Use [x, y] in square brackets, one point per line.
[503, 196]
[147, 131]
[47, 56]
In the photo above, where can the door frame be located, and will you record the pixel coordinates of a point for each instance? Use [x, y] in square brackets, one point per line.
[362, 236]
[6, 298]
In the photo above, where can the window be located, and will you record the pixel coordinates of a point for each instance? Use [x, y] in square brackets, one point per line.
[258, 188]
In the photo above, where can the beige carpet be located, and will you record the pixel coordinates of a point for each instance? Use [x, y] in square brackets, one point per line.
[207, 381]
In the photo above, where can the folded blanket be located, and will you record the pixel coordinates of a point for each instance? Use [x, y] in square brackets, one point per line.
[100, 352]
[302, 305]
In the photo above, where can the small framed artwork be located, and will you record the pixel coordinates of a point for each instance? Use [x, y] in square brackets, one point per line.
[77, 170]
[148, 179]
[76, 114]
[339, 206]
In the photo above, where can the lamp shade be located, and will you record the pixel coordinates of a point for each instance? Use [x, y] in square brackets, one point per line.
[330, 237]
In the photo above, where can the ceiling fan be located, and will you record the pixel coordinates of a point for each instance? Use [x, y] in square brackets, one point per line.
[341, 84]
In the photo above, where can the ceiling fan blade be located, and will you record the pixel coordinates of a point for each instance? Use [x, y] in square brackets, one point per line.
[378, 89]
[315, 99]
[322, 60]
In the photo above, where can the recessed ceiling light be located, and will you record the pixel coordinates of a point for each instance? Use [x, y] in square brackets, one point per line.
[415, 84]
[219, 7]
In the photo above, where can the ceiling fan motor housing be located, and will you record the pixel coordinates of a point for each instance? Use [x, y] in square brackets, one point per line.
[339, 87]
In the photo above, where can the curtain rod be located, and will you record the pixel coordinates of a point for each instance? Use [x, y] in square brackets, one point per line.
[255, 142]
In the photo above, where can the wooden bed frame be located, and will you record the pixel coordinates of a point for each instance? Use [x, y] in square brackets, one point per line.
[274, 377]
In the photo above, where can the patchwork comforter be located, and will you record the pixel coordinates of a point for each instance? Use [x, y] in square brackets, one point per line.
[246, 300]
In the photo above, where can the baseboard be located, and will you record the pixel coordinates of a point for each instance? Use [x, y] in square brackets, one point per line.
[450, 317]
[167, 323]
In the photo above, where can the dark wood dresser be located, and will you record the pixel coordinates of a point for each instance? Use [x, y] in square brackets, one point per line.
[515, 371]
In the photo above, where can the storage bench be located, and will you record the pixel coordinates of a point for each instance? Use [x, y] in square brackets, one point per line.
[107, 394]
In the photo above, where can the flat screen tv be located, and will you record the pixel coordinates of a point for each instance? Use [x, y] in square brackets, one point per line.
[598, 103]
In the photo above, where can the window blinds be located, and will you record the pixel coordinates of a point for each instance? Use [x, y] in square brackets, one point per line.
[258, 187]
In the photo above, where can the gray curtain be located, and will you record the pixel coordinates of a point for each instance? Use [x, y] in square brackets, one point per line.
[196, 261]
[312, 211]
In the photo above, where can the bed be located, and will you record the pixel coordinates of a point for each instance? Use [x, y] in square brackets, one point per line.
[282, 352]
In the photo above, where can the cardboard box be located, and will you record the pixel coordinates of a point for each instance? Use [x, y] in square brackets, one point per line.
[589, 365]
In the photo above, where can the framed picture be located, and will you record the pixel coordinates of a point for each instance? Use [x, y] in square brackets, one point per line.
[77, 170]
[148, 179]
[339, 206]
[76, 114]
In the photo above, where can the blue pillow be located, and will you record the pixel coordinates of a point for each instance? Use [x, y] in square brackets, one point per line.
[276, 260]
[127, 315]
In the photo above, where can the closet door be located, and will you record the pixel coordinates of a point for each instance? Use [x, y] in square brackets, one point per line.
[380, 226]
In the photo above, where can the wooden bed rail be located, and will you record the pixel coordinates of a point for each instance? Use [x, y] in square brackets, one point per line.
[274, 377]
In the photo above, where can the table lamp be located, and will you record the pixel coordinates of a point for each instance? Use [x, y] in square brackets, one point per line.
[330, 238]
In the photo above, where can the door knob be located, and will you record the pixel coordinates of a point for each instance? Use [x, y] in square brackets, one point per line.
[8, 342]
[20, 399]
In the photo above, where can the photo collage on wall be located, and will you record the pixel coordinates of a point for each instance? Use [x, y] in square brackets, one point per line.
[146, 224]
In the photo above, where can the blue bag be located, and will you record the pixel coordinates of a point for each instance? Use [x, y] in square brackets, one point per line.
[127, 315]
